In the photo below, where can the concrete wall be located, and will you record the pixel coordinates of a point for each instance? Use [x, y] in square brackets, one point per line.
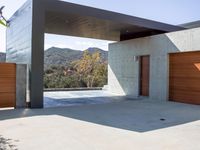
[21, 79]
[25, 45]
[19, 37]
[123, 71]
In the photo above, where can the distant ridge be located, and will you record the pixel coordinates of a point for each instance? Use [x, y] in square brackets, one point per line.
[63, 56]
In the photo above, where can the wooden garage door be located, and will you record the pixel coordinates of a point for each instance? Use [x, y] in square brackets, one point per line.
[184, 77]
[7, 85]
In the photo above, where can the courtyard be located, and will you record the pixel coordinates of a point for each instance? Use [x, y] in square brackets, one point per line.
[126, 124]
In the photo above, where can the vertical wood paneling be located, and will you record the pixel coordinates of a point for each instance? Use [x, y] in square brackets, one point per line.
[7, 85]
[184, 77]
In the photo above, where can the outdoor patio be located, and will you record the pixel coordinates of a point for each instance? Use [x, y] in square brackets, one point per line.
[127, 124]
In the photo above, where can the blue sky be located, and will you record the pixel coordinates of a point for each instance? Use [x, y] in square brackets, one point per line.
[167, 11]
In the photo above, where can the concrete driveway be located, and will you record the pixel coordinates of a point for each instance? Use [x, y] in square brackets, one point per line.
[124, 125]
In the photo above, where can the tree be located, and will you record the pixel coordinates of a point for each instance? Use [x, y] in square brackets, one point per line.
[90, 69]
[3, 21]
[100, 75]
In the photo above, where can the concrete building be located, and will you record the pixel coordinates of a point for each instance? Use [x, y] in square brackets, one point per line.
[125, 71]
[138, 62]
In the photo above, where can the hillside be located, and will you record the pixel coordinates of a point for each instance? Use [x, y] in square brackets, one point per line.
[60, 56]
[2, 57]
[104, 54]
[63, 56]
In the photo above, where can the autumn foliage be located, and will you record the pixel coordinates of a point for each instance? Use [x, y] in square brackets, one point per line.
[89, 71]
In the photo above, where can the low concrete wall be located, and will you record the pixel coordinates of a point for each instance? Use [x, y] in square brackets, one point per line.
[21, 80]
[123, 71]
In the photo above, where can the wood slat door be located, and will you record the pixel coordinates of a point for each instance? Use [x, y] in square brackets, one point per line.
[144, 75]
[184, 77]
[7, 85]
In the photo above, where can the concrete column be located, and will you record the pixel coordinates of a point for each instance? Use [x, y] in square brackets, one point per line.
[37, 55]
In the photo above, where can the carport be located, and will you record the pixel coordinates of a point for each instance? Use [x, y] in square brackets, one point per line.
[25, 34]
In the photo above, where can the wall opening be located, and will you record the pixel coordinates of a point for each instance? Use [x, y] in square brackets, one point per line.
[73, 65]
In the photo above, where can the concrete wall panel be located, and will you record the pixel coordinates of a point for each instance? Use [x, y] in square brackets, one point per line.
[123, 72]
[21, 78]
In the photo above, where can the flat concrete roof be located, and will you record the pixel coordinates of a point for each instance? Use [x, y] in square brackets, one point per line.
[76, 20]
[70, 19]
[191, 25]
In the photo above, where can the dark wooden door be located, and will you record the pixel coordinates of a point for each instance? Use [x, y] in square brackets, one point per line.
[184, 77]
[144, 75]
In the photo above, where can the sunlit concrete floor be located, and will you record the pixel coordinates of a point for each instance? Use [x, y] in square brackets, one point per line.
[124, 125]
[74, 98]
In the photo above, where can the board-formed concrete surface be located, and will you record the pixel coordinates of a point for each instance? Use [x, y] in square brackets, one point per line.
[72, 98]
[125, 125]
[123, 70]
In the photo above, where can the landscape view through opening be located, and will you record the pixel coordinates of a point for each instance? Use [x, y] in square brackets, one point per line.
[74, 62]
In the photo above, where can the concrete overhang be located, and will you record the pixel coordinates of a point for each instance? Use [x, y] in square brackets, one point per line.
[76, 20]
[190, 25]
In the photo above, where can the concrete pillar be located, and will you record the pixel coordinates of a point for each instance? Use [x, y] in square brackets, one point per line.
[37, 55]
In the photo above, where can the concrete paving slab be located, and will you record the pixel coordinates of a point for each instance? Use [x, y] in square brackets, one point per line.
[136, 124]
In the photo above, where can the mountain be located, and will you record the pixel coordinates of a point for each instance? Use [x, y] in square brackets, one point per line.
[60, 56]
[63, 56]
[2, 57]
[103, 53]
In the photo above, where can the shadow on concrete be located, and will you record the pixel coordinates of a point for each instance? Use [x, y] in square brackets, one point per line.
[7, 144]
[133, 115]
